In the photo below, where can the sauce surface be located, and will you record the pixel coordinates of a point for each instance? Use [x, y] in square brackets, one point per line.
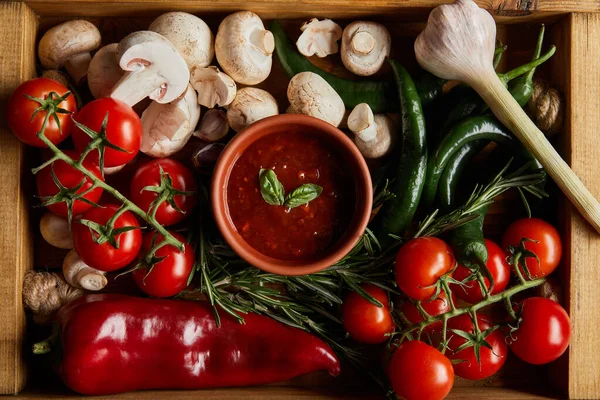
[296, 233]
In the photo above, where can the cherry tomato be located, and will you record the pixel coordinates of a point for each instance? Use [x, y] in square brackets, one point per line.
[181, 179]
[498, 267]
[418, 371]
[365, 322]
[543, 333]
[491, 360]
[433, 307]
[419, 265]
[123, 129]
[169, 276]
[105, 256]
[20, 111]
[69, 177]
[548, 247]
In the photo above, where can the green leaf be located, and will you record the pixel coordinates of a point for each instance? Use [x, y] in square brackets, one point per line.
[302, 195]
[271, 189]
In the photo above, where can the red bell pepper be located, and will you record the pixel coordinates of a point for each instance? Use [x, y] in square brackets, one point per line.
[116, 343]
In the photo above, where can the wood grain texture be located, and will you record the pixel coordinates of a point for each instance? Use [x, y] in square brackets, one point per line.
[582, 243]
[18, 30]
[396, 9]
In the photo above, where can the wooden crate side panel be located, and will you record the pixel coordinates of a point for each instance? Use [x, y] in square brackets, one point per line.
[18, 31]
[582, 242]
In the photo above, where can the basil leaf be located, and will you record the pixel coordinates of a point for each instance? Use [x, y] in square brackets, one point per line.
[271, 189]
[302, 195]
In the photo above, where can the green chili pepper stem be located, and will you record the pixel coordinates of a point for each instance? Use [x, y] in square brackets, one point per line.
[498, 55]
[522, 87]
[525, 68]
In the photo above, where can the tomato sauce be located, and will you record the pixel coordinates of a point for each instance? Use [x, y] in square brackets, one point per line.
[297, 233]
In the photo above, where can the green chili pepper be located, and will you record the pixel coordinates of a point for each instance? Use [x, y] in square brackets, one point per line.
[397, 213]
[381, 96]
[471, 129]
[450, 178]
[522, 87]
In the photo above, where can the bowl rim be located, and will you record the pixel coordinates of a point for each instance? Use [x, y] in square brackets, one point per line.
[220, 180]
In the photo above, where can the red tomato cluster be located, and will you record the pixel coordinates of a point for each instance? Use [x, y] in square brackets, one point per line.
[474, 347]
[67, 192]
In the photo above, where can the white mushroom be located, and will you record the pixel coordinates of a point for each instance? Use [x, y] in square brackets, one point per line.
[57, 76]
[244, 48]
[373, 133]
[56, 231]
[190, 35]
[168, 127]
[104, 71]
[319, 38]
[213, 86]
[365, 45]
[82, 276]
[69, 44]
[154, 68]
[249, 106]
[213, 126]
[310, 94]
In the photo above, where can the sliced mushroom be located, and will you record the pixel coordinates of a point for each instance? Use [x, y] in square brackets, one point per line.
[190, 35]
[82, 276]
[104, 71]
[154, 68]
[213, 86]
[249, 106]
[365, 45]
[69, 44]
[310, 94]
[244, 48]
[168, 127]
[56, 231]
[213, 126]
[373, 133]
[57, 76]
[319, 38]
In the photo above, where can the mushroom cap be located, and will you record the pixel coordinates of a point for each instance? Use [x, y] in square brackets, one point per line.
[66, 40]
[104, 71]
[190, 35]
[382, 144]
[147, 49]
[310, 94]
[57, 76]
[365, 45]
[213, 87]
[168, 127]
[250, 105]
[319, 38]
[244, 48]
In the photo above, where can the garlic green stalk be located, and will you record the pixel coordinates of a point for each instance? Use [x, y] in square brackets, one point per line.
[458, 44]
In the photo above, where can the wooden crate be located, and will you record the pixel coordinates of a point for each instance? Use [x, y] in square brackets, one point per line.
[572, 25]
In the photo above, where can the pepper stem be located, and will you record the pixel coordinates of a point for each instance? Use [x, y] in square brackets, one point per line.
[48, 344]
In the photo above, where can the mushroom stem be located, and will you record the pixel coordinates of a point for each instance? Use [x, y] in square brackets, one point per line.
[264, 40]
[77, 66]
[135, 86]
[363, 42]
[361, 122]
[80, 275]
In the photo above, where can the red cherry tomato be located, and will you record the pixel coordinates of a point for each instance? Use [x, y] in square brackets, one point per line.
[124, 129]
[181, 179]
[105, 256]
[419, 265]
[418, 371]
[365, 322]
[498, 267]
[169, 276]
[20, 111]
[491, 360]
[548, 247]
[543, 333]
[433, 307]
[70, 178]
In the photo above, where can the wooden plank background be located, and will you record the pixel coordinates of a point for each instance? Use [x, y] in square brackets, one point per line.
[17, 33]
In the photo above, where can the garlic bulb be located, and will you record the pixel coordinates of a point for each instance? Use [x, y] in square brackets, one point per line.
[213, 126]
